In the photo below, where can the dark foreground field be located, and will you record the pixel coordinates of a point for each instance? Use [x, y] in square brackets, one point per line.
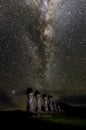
[21, 119]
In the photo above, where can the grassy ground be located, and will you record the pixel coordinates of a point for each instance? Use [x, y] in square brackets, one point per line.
[72, 121]
[24, 120]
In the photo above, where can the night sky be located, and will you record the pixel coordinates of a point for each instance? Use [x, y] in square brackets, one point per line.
[43, 46]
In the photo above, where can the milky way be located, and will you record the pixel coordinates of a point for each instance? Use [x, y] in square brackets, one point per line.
[42, 45]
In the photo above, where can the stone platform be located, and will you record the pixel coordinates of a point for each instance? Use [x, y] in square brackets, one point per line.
[46, 114]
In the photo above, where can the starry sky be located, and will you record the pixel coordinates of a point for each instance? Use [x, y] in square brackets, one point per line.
[43, 46]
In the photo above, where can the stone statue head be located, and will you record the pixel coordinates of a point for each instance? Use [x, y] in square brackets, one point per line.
[29, 93]
[37, 94]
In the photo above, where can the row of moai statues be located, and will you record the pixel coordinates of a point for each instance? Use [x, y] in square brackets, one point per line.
[48, 104]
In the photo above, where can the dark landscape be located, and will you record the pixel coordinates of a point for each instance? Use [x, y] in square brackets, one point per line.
[72, 117]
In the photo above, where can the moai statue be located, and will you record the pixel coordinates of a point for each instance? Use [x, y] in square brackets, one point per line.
[54, 106]
[50, 103]
[45, 102]
[29, 93]
[38, 101]
[59, 108]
